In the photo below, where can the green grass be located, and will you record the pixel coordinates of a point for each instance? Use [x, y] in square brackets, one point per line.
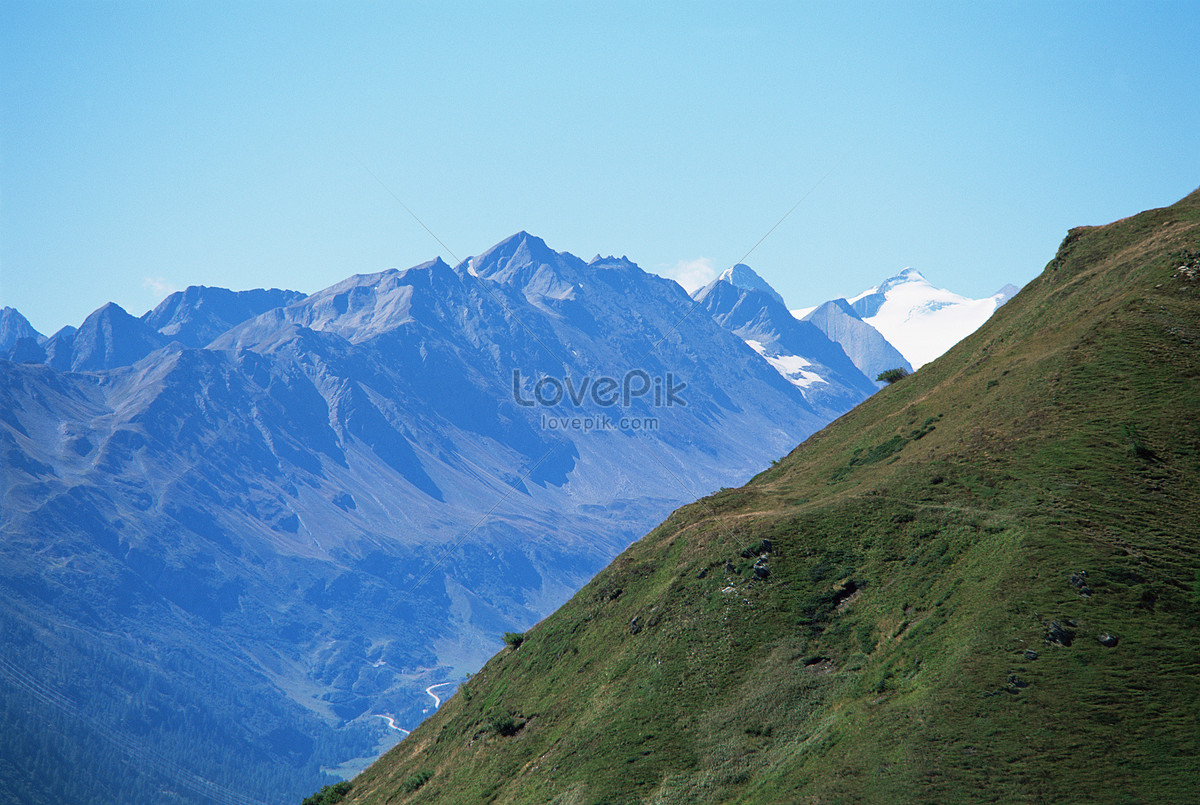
[919, 546]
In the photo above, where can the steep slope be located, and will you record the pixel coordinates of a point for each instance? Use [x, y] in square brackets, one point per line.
[743, 303]
[256, 559]
[921, 320]
[981, 585]
[861, 342]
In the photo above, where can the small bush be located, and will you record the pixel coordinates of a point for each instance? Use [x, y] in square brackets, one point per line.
[514, 639]
[415, 781]
[504, 725]
[890, 376]
[329, 795]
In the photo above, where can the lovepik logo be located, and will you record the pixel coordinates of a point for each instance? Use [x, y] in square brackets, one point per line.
[603, 392]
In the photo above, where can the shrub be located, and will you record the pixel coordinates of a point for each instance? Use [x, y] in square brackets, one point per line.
[330, 794]
[514, 639]
[892, 375]
[504, 725]
[415, 781]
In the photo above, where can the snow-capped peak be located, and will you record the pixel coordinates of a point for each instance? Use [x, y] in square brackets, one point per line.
[907, 276]
[919, 319]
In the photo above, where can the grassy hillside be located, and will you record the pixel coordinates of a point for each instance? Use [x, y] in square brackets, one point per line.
[1039, 481]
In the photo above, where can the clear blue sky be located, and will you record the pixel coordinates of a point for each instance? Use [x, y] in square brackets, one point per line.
[150, 146]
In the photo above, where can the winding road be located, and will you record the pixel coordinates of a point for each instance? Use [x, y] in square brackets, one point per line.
[392, 723]
[437, 702]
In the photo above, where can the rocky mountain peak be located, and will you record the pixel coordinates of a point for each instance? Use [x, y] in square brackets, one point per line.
[744, 277]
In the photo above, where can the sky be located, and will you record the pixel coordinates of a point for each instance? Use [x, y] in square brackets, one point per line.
[148, 146]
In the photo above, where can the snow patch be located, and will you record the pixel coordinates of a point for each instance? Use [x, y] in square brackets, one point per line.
[792, 367]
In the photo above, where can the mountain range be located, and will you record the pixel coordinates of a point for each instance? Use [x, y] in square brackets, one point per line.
[248, 536]
[982, 584]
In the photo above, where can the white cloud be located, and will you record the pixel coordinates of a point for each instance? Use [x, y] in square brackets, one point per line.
[159, 287]
[693, 274]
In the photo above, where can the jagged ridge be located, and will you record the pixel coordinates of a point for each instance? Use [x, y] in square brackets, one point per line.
[247, 554]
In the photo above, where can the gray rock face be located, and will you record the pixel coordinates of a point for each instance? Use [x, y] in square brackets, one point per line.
[862, 343]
